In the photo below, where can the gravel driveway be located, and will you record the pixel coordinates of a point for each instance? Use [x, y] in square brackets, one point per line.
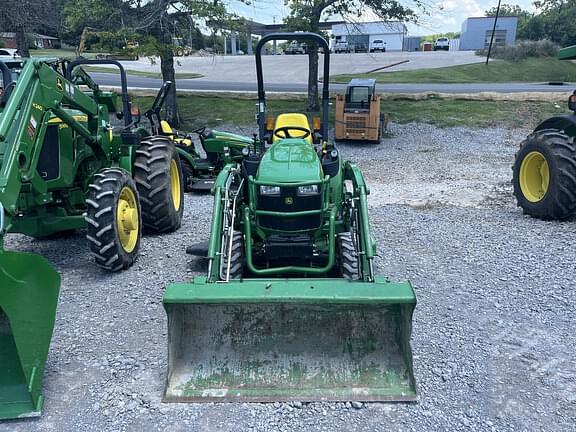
[493, 336]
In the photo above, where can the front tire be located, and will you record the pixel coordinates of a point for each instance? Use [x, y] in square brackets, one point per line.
[349, 257]
[113, 219]
[236, 257]
[158, 176]
[544, 175]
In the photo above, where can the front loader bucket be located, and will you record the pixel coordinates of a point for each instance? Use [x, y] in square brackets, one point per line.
[29, 289]
[289, 339]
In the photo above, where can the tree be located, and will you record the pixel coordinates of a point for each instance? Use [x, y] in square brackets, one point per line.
[555, 22]
[305, 15]
[506, 10]
[24, 16]
[155, 21]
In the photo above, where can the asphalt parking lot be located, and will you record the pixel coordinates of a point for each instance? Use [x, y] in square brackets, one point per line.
[294, 68]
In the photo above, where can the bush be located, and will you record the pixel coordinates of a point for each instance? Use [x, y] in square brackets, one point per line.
[523, 50]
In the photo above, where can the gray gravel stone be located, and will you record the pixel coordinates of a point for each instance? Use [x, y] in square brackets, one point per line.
[493, 333]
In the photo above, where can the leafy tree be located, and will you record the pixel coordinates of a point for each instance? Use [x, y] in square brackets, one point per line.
[555, 22]
[305, 15]
[507, 10]
[155, 20]
[24, 16]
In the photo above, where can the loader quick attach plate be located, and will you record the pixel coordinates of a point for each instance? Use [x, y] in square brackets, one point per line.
[269, 340]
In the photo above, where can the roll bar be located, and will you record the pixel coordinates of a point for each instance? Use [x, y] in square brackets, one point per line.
[123, 81]
[302, 37]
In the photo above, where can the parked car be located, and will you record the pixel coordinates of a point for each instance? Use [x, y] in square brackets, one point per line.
[378, 45]
[442, 44]
[295, 48]
[9, 54]
[341, 46]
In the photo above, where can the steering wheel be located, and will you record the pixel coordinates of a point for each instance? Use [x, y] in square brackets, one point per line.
[200, 130]
[286, 129]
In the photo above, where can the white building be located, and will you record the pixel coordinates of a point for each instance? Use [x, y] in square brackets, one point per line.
[360, 35]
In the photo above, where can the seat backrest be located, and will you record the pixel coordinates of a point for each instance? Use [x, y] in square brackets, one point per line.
[292, 119]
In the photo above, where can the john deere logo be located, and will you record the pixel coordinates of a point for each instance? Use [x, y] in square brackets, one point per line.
[59, 84]
[288, 200]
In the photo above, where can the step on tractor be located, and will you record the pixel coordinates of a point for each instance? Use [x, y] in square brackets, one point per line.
[290, 307]
[544, 171]
[358, 116]
[63, 166]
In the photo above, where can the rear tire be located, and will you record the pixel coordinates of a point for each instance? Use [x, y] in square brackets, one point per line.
[158, 176]
[349, 257]
[544, 175]
[113, 219]
[236, 257]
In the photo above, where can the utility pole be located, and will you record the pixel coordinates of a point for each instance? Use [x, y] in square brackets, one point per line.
[493, 31]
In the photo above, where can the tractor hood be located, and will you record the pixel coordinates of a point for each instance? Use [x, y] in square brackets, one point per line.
[290, 161]
[230, 138]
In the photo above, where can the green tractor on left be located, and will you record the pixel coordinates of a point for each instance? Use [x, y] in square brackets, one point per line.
[65, 164]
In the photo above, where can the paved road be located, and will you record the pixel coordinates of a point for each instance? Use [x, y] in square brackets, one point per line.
[203, 85]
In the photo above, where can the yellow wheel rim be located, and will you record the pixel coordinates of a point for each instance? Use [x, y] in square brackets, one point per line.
[127, 221]
[175, 184]
[534, 176]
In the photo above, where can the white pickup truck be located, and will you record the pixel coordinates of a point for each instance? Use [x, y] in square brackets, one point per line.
[378, 45]
[341, 47]
[442, 44]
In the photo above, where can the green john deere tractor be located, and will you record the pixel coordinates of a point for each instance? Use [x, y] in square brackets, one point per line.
[290, 308]
[63, 166]
[220, 148]
[544, 171]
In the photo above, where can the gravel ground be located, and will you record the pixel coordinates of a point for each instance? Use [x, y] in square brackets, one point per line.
[493, 335]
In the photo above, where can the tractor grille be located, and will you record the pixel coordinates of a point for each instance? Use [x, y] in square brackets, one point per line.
[297, 203]
[355, 125]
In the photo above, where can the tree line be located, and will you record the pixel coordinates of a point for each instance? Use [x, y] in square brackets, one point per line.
[554, 21]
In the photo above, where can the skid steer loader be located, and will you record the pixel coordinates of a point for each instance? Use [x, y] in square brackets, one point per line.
[290, 308]
[544, 171]
[64, 166]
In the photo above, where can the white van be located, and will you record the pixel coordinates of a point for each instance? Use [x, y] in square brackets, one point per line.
[378, 45]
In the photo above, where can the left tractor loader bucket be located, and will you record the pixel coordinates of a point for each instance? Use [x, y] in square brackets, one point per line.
[29, 289]
[270, 340]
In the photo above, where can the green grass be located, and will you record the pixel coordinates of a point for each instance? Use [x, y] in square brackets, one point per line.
[183, 75]
[60, 53]
[199, 111]
[529, 70]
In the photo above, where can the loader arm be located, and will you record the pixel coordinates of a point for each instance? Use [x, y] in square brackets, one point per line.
[39, 92]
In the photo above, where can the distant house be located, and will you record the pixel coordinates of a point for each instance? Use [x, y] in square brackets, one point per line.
[40, 41]
[477, 32]
[360, 35]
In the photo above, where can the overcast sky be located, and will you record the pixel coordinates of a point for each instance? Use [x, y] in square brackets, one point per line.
[445, 15]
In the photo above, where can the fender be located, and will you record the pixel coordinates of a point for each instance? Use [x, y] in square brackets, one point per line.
[565, 123]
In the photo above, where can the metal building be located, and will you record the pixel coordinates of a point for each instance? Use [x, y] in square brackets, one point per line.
[361, 35]
[476, 32]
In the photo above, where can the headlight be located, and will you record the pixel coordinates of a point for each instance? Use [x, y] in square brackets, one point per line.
[269, 190]
[308, 190]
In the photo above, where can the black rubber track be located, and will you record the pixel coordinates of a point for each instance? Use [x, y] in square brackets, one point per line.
[348, 257]
[101, 210]
[559, 150]
[152, 176]
[236, 258]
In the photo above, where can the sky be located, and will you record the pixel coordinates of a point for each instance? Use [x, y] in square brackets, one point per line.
[445, 15]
